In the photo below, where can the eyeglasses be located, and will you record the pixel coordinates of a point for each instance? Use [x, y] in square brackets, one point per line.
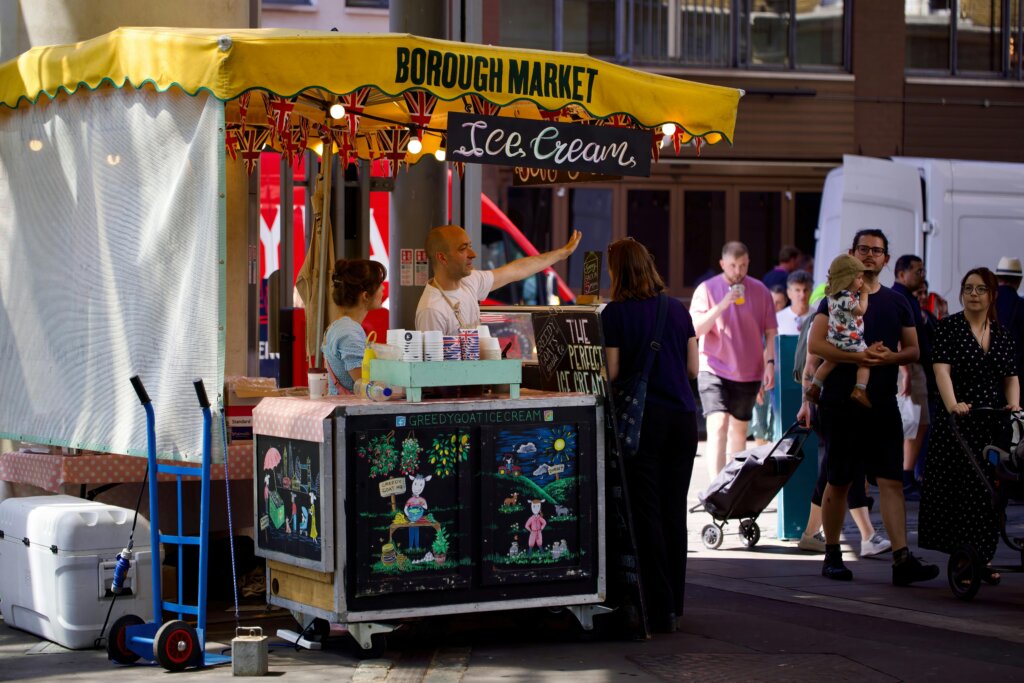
[864, 250]
[980, 290]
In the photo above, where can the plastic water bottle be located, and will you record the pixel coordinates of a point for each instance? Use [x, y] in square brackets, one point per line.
[120, 571]
[374, 391]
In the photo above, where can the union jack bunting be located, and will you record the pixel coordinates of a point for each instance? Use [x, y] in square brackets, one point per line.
[421, 105]
[478, 105]
[355, 103]
[232, 138]
[252, 145]
[656, 139]
[460, 168]
[392, 144]
[679, 138]
[279, 112]
[294, 143]
[243, 108]
[619, 121]
[553, 115]
[697, 142]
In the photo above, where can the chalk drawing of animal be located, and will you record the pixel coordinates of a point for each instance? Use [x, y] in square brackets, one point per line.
[561, 511]
[512, 501]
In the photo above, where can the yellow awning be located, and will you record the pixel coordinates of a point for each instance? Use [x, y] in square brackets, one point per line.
[228, 63]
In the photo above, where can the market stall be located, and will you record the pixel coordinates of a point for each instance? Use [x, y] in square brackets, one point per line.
[164, 124]
[373, 512]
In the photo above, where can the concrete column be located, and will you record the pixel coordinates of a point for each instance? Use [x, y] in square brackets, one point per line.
[419, 200]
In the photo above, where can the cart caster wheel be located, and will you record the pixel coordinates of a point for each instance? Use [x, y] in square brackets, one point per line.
[750, 533]
[377, 648]
[963, 571]
[176, 646]
[712, 537]
[117, 640]
[319, 630]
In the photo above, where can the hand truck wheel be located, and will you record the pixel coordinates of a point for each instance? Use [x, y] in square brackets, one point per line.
[712, 537]
[750, 533]
[176, 646]
[117, 640]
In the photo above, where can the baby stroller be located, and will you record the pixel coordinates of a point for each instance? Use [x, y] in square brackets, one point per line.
[965, 568]
[747, 484]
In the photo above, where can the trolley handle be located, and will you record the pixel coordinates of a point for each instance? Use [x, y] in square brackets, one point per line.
[201, 393]
[140, 389]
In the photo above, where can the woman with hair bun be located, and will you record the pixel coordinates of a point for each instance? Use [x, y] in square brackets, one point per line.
[357, 288]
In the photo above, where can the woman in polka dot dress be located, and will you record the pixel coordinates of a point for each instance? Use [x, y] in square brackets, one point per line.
[974, 367]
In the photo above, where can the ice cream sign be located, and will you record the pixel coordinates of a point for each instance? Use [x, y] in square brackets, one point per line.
[528, 143]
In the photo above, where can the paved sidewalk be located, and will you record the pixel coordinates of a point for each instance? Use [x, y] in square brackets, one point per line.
[752, 614]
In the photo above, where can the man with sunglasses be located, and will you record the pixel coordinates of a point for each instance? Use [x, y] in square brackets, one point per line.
[865, 440]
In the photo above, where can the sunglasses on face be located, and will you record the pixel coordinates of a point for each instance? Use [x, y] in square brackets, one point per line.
[980, 290]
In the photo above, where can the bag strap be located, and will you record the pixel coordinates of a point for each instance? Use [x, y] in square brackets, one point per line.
[342, 391]
[659, 328]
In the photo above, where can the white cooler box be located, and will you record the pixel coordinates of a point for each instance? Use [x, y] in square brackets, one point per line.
[57, 556]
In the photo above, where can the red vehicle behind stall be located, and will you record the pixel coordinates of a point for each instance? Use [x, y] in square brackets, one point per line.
[501, 242]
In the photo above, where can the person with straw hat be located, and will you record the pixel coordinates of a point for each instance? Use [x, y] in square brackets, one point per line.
[847, 304]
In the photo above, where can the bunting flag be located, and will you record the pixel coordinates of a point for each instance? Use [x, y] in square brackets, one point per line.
[478, 105]
[460, 168]
[355, 103]
[279, 112]
[619, 121]
[698, 142]
[680, 138]
[252, 145]
[243, 109]
[392, 144]
[421, 106]
[553, 115]
[232, 138]
[656, 139]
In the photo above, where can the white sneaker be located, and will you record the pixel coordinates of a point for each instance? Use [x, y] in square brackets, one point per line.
[815, 543]
[876, 545]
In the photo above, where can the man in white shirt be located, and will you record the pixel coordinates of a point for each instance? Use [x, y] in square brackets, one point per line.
[451, 300]
[798, 288]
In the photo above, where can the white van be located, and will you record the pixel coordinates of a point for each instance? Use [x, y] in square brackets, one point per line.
[955, 214]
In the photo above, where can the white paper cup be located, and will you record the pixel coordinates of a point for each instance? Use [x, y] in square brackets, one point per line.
[490, 344]
[431, 337]
[484, 331]
[395, 337]
[317, 382]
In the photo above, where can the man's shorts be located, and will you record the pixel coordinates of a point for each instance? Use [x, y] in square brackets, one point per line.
[720, 395]
[862, 441]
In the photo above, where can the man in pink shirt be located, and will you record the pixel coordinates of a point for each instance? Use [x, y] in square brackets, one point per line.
[734, 316]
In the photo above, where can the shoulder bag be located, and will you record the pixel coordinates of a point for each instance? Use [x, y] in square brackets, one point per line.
[630, 395]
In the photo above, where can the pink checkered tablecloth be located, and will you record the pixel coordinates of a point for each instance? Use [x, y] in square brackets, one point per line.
[50, 470]
[290, 417]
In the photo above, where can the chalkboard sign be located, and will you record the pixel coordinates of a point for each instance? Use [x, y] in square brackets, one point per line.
[570, 350]
[294, 501]
[592, 273]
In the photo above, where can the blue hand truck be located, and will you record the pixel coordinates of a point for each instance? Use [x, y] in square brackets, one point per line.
[176, 644]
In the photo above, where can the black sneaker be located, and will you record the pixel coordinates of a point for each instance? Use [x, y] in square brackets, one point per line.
[912, 570]
[835, 569]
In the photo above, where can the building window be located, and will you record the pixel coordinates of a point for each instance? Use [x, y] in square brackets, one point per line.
[366, 4]
[964, 37]
[746, 34]
[289, 4]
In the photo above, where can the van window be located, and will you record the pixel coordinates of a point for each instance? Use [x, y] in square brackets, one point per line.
[497, 249]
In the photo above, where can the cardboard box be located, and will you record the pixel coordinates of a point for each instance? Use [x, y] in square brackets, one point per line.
[242, 394]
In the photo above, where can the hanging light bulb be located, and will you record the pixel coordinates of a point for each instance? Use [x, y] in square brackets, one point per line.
[337, 111]
[439, 154]
[415, 146]
[669, 129]
[35, 144]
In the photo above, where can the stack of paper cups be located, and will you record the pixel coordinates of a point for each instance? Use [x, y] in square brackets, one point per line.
[412, 346]
[433, 346]
[395, 338]
[452, 349]
[470, 339]
[490, 348]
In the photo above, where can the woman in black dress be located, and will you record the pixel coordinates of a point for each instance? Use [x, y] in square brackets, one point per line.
[974, 368]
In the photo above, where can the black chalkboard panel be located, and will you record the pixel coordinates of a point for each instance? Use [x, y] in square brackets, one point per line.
[570, 350]
[293, 492]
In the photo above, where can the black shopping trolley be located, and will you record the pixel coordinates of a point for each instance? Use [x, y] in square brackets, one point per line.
[743, 489]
